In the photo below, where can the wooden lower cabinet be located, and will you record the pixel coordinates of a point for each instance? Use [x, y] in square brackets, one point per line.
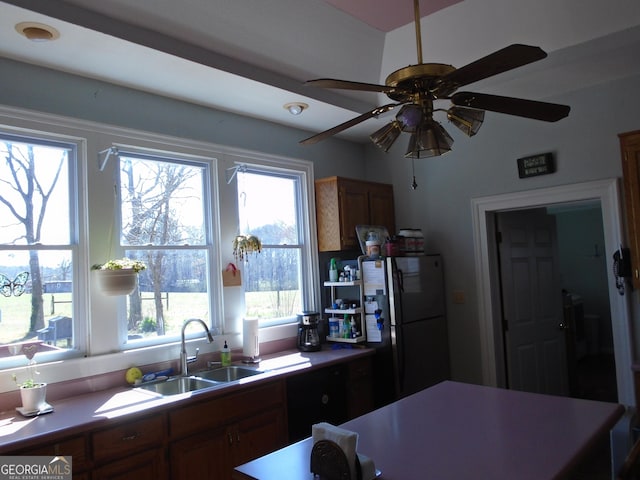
[200, 439]
[214, 454]
[148, 465]
[254, 437]
[199, 456]
[360, 387]
[210, 438]
[74, 447]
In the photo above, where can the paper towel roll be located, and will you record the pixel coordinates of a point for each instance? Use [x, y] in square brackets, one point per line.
[250, 341]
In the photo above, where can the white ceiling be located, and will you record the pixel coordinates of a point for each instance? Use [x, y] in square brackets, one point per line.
[252, 57]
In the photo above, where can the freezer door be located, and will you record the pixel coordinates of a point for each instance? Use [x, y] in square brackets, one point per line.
[416, 289]
[422, 350]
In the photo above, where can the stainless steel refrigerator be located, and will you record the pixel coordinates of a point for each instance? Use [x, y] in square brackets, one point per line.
[406, 324]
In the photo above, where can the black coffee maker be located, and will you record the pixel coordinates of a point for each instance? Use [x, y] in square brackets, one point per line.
[308, 336]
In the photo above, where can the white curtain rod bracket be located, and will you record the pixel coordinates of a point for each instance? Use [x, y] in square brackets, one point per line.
[232, 171]
[102, 162]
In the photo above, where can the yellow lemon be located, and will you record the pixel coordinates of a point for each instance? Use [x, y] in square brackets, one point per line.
[133, 374]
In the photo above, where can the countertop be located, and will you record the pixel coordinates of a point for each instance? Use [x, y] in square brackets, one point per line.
[92, 410]
[457, 430]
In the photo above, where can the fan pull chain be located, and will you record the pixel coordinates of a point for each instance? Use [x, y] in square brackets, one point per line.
[414, 184]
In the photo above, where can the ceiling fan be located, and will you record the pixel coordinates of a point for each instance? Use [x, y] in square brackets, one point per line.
[415, 88]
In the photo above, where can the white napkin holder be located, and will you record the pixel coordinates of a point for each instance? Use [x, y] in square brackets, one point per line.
[334, 455]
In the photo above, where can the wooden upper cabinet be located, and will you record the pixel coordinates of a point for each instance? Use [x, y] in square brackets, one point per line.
[381, 207]
[630, 149]
[343, 203]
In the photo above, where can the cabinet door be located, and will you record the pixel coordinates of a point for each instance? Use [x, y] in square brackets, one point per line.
[360, 387]
[343, 203]
[381, 207]
[316, 396]
[256, 436]
[354, 210]
[149, 465]
[74, 447]
[630, 149]
[204, 455]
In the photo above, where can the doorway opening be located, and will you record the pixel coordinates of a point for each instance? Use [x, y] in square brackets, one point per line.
[556, 314]
[484, 211]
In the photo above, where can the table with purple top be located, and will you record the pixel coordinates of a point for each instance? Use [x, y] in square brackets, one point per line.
[456, 431]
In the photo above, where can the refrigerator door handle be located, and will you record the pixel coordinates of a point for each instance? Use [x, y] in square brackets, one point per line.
[399, 279]
[401, 367]
[400, 363]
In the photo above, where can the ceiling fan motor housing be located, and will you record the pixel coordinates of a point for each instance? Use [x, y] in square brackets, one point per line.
[413, 80]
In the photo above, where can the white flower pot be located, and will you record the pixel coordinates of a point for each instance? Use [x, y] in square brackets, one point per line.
[117, 282]
[34, 398]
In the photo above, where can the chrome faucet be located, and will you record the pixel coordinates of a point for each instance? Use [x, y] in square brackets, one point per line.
[184, 359]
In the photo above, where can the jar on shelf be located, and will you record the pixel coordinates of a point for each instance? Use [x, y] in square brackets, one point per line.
[409, 241]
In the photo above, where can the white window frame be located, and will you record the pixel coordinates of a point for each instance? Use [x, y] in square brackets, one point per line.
[99, 343]
[76, 227]
[309, 278]
[208, 163]
[307, 243]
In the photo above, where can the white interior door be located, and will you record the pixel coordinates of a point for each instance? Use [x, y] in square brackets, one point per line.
[535, 343]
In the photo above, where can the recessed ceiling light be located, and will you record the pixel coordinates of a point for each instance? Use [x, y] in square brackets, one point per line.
[37, 32]
[295, 108]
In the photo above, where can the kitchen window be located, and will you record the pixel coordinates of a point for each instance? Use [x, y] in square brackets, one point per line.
[102, 205]
[272, 205]
[38, 249]
[164, 210]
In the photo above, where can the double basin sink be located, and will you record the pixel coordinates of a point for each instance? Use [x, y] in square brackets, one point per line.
[199, 381]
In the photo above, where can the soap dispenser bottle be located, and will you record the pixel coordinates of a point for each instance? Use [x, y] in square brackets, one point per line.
[225, 355]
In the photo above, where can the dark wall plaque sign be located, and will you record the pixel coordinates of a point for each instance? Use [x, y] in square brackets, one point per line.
[534, 165]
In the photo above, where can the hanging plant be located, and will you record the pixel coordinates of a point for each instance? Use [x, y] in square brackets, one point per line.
[121, 264]
[243, 245]
[119, 277]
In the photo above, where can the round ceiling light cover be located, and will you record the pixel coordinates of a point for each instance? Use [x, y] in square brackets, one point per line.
[37, 32]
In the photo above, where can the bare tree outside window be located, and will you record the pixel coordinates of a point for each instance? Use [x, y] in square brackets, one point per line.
[268, 208]
[34, 216]
[163, 224]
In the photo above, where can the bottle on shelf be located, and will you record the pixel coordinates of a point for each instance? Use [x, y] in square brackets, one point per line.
[333, 271]
[346, 327]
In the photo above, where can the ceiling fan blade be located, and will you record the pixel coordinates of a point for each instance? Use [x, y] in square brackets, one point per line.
[508, 58]
[347, 85]
[348, 124]
[548, 112]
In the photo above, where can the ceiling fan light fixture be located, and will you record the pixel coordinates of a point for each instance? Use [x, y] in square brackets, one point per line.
[409, 117]
[468, 120]
[295, 108]
[429, 140]
[387, 135]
